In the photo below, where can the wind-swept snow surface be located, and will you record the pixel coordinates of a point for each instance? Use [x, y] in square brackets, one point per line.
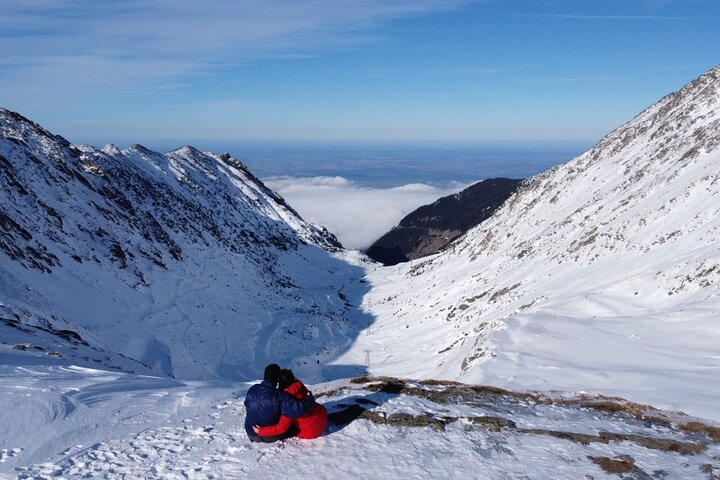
[96, 424]
[600, 274]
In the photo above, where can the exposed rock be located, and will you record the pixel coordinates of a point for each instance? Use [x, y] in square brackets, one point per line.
[430, 228]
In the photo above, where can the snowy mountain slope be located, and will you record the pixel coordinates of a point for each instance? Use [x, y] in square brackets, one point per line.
[601, 274]
[182, 261]
[98, 424]
[42, 342]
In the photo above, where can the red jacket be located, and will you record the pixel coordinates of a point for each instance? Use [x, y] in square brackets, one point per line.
[310, 425]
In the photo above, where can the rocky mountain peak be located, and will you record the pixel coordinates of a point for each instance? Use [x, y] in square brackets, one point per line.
[678, 127]
[186, 150]
[112, 150]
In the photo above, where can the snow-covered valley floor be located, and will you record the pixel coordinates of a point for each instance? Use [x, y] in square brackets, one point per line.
[68, 422]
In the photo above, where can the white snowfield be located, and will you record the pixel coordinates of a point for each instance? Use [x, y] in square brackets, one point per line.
[139, 291]
[96, 424]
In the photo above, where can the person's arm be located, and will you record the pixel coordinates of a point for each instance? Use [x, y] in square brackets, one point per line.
[294, 408]
[277, 429]
[308, 402]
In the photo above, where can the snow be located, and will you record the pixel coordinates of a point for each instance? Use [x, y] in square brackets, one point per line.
[90, 423]
[56, 411]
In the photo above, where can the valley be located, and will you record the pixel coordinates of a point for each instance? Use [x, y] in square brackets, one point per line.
[142, 293]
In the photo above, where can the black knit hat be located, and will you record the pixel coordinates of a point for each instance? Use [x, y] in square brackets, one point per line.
[272, 373]
[286, 378]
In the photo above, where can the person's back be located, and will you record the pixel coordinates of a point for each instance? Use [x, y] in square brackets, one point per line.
[313, 423]
[264, 404]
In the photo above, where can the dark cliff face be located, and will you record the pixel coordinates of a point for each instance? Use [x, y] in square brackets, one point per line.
[430, 228]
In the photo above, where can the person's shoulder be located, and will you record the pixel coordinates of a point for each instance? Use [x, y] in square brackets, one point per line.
[255, 389]
[296, 387]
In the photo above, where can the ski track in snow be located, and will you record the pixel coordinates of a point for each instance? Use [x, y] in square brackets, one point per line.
[263, 338]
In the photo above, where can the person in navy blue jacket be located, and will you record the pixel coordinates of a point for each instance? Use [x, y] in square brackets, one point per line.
[265, 404]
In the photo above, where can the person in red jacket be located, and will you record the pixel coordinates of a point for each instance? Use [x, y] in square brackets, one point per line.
[310, 425]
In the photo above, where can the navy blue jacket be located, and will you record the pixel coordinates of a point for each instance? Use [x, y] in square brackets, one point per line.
[264, 404]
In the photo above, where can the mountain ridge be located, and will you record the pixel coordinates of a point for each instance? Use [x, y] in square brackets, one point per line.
[165, 258]
[582, 275]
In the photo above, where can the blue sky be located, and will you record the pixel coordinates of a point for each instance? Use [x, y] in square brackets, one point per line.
[175, 72]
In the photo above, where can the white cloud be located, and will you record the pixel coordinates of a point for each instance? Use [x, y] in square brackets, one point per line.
[138, 44]
[602, 17]
[357, 215]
